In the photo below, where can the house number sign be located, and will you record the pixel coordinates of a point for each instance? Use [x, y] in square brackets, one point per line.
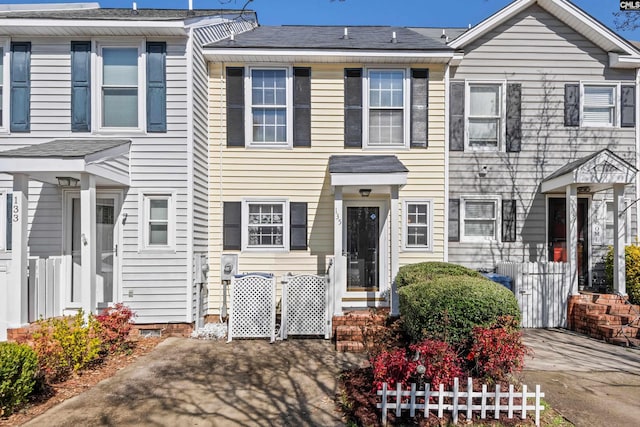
[15, 210]
[338, 217]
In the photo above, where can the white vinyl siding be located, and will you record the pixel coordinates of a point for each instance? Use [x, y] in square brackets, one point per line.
[599, 105]
[479, 217]
[270, 107]
[386, 107]
[417, 228]
[485, 124]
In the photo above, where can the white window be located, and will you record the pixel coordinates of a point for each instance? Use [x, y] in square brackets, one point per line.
[485, 127]
[6, 223]
[417, 224]
[5, 52]
[266, 223]
[270, 100]
[121, 87]
[1, 86]
[479, 218]
[158, 229]
[599, 105]
[386, 102]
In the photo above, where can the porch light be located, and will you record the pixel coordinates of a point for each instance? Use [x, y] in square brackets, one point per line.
[364, 192]
[67, 181]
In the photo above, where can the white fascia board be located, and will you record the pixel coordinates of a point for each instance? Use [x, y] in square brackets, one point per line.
[43, 164]
[557, 183]
[58, 23]
[107, 154]
[343, 179]
[102, 172]
[210, 54]
[623, 61]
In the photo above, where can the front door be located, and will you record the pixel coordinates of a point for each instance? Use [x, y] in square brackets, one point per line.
[557, 235]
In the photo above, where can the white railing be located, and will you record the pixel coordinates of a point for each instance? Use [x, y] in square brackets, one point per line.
[456, 401]
[542, 291]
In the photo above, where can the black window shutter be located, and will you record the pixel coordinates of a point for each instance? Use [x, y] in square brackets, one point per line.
[572, 104]
[508, 220]
[514, 120]
[302, 107]
[628, 106]
[456, 116]
[235, 107]
[20, 87]
[81, 86]
[298, 226]
[454, 220]
[353, 107]
[419, 108]
[156, 87]
[232, 226]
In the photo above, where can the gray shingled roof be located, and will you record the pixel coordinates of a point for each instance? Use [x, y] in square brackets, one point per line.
[569, 167]
[436, 33]
[366, 164]
[65, 148]
[332, 37]
[119, 14]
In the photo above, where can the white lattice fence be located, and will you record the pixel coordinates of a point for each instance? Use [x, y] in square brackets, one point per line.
[253, 307]
[483, 403]
[305, 306]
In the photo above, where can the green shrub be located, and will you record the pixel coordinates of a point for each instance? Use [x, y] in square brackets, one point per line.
[632, 271]
[18, 370]
[428, 271]
[447, 308]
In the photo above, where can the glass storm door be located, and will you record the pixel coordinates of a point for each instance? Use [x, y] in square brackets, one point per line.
[363, 255]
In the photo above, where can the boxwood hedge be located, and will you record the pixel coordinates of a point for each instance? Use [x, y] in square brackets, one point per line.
[18, 370]
[427, 271]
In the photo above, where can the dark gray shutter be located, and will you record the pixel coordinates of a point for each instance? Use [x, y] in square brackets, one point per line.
[81, 86]
[20, 86]
[454, 220]
[628, 106]
[419, 108]
[235, 107]
[508, 220]
[514, 120]
[156, 87]
[456, 116]
[301, 107]
[572, 104]
[298, 226]
[353, 107]
[232, 226]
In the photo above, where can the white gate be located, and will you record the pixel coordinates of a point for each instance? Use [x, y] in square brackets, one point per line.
[44, 288]
[305, 306]
[542, 291]
[253, 307]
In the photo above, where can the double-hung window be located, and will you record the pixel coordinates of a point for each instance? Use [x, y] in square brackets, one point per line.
[484, 118]
[270, 112]
[599, 105]
[417, 225]
[120, 89]
[2, 86]
[267, 224]
[386, 108]
[479, 219]
[159, 221]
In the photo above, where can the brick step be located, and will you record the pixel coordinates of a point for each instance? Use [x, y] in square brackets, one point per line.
[349, 346]
[623, 309]
[608, 299]
[349, 333]
[618, 331]
[608, 319]
[625, 342]
[589, 308]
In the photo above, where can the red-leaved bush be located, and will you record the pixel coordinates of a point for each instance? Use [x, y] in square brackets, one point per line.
[115, 324]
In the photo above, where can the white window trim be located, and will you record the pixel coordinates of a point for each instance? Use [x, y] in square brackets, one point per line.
[406, 86]
[405, 224]
[248, 123]
[5, 44]
[245, 224]
[96, 86]
[502, 132]
[3, 220]
[616, 104]
[498, 228]
[143, 227]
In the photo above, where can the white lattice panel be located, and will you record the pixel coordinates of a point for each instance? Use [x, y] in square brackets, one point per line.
[304, 306]
[253, 308]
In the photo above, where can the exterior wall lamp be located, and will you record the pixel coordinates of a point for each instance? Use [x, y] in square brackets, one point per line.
[364, 192]
[67, 181]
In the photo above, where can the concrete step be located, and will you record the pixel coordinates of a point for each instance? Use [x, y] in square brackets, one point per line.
[349, 346]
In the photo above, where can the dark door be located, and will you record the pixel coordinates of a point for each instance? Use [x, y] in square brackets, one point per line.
[557, 235]
[363, 237]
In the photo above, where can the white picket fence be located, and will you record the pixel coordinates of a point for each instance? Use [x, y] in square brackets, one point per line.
[456, 401]
[542, 291]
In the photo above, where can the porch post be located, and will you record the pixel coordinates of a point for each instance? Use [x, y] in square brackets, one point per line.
[572, 237]
[88, 242]
[339, 260]
[395, 251]
[619, 241]
[17, 298]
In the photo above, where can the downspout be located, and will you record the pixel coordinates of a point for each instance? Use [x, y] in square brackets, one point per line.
[637, 181]
[445, 254]
[223, 305]
[190, 180]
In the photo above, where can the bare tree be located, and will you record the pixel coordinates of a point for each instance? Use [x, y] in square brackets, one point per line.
[626, 20]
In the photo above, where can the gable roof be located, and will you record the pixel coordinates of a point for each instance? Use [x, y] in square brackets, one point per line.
[622, 54]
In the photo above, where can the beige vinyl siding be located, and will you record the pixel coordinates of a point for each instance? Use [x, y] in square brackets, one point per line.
[541, 53]
[300, 174]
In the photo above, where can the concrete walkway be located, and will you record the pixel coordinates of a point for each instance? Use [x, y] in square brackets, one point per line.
[590, 382]
[186, 382]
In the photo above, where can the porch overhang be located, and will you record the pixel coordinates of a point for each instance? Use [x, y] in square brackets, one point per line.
[596, 172]
[106, 159]
[353, 172]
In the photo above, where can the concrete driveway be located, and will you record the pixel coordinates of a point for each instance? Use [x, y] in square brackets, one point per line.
[590, 382]
[186, 382]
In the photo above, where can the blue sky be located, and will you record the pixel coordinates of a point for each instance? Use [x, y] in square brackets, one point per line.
[426, 13]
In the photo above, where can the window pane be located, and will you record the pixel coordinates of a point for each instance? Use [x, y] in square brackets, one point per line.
[9, 231]
[158, 209]
[266, 224]
[417, 236]
[1, 66]
[158, 234]
[483, 131]
[120, 107]
[475, 210]
[598, 115]
[484, 100]
[608, 232]
[479, 228]
[270, 124]
[120, 66]
[385, 89]
[269, 87]
[597, 96]
[386, 127]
